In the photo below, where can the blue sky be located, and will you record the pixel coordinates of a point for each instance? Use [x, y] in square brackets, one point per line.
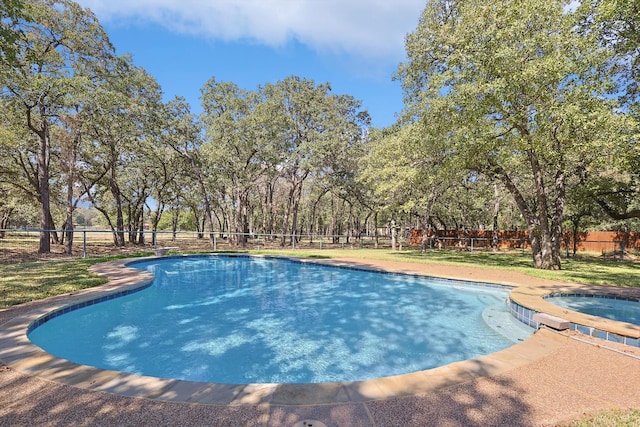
[355, 45]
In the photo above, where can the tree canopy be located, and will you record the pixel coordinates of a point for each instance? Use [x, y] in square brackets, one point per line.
[518, 115]
[516, 93]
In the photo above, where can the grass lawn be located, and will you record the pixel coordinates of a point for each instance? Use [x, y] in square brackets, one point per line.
[585, 269]
[612, 418]
[22, 282]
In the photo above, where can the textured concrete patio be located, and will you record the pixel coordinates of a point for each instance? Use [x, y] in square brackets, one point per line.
[548, 379]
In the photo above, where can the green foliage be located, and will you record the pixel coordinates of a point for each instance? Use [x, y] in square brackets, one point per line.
[514, 92]
[11, 13]
[617, 24]
[276, 140]
[56, 58]
[518, 114]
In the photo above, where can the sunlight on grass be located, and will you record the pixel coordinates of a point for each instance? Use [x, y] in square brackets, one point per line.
[609, 418]
[28, 281]
[587, 270]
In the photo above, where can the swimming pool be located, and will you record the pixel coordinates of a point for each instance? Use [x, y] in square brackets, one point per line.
[263, 320]
[607, 306]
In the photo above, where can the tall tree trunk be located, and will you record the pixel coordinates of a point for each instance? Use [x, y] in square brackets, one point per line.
[44, 153]
[53, 234]
[295, 212]
[576, 234]
[540, 233]
[208, 214]
[5, 216]
[175, 217]
[68, 247]
[496, 211]
[314, 209]
[268, 213]
[426, 225]
[241, 220]
[287, 214]
[141, 239]
[337, 218]
[548, 257]
[156, 216]
[201, 226]
[394, 235]
[375, 225]
[207, 202]
[118, 236]
[131, 223]
[558, 211]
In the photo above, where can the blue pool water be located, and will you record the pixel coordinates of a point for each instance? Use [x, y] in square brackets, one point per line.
[230, 319]
[622, 310]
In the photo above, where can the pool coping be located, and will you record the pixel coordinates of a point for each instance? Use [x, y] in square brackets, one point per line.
[525, 301]
[19, 353]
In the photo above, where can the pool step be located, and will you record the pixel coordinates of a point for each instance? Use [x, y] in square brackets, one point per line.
[500, 320]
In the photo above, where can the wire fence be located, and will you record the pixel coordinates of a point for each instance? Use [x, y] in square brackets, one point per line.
[91, 243]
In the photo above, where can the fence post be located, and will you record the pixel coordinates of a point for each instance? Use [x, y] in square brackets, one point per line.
[215, 243]
[84, 244]
[472, 244]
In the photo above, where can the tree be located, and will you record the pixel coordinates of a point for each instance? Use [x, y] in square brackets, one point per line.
[167, 172]
[70, 138]
[118, 119]
[517, 92]
[13, 185]
[236, 145]
[617, 25]
[184, 136]
[60, 47]
[265, 144]
[314, 127]
[414, 175]
[616, 187]
[12, 12]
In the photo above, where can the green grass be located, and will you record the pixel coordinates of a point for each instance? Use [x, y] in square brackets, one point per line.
[586, 269]
[22, 282]
[609, 418]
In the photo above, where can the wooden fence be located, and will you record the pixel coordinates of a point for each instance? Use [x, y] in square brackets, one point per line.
[587, 241]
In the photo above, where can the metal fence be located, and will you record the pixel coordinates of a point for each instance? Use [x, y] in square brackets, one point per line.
[90, 242]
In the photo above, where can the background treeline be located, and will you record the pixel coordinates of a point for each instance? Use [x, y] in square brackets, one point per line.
[518, 115]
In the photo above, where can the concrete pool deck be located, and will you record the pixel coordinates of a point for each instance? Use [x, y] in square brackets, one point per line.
[548, 379]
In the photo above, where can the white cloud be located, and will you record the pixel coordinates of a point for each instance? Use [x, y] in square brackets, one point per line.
[366, 28]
